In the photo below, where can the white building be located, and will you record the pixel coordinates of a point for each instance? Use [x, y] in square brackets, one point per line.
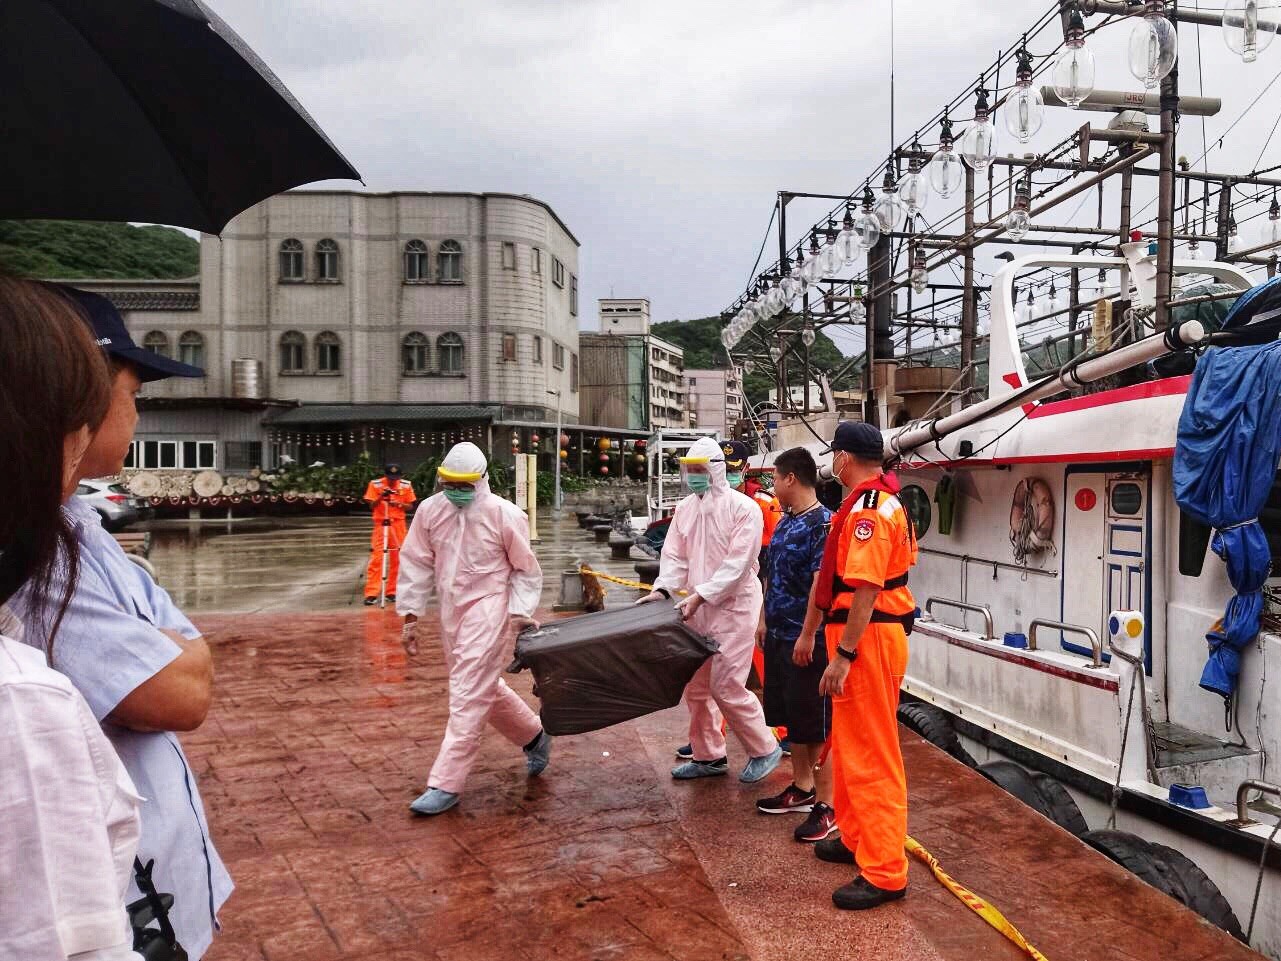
[716, 399]
[397, 319]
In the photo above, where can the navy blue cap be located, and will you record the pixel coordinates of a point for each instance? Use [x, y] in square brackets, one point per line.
[113, 336]
[392, 470]
[736, 453]
[860, 439]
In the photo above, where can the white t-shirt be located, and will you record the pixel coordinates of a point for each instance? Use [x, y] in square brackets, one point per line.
[68, 821]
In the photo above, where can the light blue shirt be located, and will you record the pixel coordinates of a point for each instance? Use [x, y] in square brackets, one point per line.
[108, 644]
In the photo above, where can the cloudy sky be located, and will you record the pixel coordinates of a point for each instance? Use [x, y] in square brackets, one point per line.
[661, 131]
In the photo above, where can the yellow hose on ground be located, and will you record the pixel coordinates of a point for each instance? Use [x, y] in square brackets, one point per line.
[972, 901]
[584, 569]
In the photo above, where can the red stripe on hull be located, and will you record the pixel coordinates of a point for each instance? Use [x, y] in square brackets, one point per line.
[1154, 388]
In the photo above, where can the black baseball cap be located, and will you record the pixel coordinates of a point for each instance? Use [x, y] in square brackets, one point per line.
[113, 336]
[392, 470]
[860, 439]
[736, 454]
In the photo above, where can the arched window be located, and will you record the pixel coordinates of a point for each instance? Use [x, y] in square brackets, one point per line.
[191, 349]
[293, 350]
[416, 262]
[156, 341]
[414, 351]
[449, 350]
[327, 261]
[328, 353]
[449, 262]
[291, 267]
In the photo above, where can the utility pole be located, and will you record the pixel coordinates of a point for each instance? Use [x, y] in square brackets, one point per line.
[1166, 196]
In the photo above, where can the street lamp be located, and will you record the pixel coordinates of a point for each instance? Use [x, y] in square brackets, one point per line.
[556, 458]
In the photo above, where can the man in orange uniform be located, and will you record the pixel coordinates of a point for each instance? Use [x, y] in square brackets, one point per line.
[867, 614]
[389, 496]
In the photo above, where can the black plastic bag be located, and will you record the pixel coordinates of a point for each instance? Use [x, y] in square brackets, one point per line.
[601, 669]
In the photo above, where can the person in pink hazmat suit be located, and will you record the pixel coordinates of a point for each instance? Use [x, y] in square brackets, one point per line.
[471, 547]
[711, 552]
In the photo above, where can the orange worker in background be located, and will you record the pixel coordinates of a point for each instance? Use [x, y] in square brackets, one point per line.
[389, 496]
[868, 612]
[736, 455]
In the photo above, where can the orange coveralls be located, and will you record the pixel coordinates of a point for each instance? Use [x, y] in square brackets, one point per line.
[876, 545]
[392, 509]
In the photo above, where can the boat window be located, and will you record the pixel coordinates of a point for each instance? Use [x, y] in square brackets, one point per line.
[917, 504]
[1127, 499]
[1194, 538]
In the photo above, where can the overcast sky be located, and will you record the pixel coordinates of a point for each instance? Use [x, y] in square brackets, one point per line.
[660, 131]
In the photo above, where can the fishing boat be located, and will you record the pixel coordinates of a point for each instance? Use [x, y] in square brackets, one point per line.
[1066, 596]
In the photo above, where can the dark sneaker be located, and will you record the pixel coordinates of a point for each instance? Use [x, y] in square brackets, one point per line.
[391, 597]
[370, 601]
[861, 894]
[793, 799]
[834, 851]
[820, 824]
[785, 746]
[685, 752]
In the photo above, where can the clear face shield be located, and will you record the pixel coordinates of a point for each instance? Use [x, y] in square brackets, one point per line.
[696, 474]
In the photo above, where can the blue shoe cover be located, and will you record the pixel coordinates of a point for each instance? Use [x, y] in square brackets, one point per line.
[761, 767]
[434, 801]
[696, 769]
[538, 756]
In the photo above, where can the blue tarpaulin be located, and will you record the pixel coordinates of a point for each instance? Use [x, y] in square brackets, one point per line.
[1225, 463]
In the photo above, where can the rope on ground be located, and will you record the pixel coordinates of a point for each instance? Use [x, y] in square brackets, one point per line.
[584, 569]
[972, 901]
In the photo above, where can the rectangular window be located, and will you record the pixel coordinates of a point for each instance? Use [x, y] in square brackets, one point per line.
[573, 296]
[168, 454]
[131, 455]
[535, 260]
[573, 372]
[558, 273]
[558, 356]
[509, 256]
[243, 455]
[538, 349]
[509, 347]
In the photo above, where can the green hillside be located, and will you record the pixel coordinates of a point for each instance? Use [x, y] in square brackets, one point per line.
[73, 248]
[701, 341]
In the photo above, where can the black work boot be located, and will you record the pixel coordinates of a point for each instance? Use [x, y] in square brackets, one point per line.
[833, 850]
[861, 894]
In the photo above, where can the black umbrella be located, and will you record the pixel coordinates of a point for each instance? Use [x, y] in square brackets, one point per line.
[144, 110]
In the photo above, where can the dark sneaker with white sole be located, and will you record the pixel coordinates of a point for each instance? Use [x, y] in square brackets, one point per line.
[819, 825]
[792, 801]
[861, 894]
[834, 851]
[685, 752]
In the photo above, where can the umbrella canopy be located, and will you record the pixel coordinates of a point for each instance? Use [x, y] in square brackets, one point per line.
[145, 110]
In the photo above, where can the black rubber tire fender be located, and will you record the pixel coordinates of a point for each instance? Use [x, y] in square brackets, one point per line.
[1136, 856]
[1063, 807]
[934, 725]
[1015, 780]
[1199, 893]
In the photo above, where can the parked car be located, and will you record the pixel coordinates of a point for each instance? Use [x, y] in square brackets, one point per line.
[112, 502]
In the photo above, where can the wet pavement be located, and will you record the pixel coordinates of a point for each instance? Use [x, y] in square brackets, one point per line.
[317, 563]
[323, 730]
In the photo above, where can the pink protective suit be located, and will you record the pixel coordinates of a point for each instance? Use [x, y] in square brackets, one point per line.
[478, 560]
[711, 549]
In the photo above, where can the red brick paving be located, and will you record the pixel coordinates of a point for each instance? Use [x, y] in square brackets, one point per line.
[322, 733]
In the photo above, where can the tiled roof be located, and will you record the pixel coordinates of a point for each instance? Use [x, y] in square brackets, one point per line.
[381, 413]
[130, 300]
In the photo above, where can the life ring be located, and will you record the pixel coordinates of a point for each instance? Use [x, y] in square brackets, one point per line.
[1031, 518]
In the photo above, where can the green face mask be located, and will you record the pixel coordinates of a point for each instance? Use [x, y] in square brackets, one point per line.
[735, 478]
[699, 483]
[460, 498]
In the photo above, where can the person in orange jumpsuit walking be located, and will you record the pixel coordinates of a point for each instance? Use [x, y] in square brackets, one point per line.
[389, 496]
[867, 614]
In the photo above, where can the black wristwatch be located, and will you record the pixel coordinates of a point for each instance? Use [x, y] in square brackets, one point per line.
[850, 656]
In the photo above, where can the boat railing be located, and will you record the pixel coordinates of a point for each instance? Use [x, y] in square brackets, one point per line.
[1096, 645]
[989, 634]
[1243, 811]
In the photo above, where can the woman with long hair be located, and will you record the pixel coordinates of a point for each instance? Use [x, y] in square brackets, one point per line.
[68, 811]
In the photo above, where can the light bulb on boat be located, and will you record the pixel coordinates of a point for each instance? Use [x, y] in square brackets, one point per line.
[1249, 27]
[914, 188]
[1073, 74]
[1154, 45]
[978, 143]
[919, 275]
[947, 172]
[1024, 108]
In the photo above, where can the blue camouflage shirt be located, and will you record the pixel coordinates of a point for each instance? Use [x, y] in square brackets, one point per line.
[795, 554]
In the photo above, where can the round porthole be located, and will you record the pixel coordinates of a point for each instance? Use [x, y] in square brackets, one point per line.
[1127, 499]
[917, 504]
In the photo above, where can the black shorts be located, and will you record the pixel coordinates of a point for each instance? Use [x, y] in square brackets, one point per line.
[791, 693]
